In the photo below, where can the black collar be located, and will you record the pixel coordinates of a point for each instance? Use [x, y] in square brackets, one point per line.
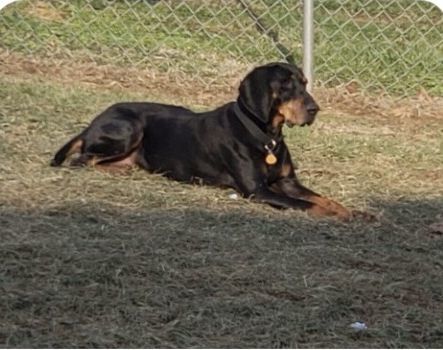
[268, 143]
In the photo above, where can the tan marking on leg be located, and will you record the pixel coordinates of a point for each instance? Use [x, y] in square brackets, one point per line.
[319, 211]
[118, 160]
[75, 148]
[129, 161]
[330, 205]
[286, 170]
[121, 166]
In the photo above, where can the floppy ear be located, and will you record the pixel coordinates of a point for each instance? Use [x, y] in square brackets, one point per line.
[255, 93]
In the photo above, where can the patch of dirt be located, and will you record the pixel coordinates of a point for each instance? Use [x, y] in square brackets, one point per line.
[183, 88]
[194, 91]
[45, 11]
[415, 108]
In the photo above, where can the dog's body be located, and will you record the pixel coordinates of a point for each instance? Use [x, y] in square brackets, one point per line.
[239, 145]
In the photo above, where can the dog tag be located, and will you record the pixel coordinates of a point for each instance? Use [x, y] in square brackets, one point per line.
[271, 159]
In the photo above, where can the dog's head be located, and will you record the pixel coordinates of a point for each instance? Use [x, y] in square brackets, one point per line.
[276, 93]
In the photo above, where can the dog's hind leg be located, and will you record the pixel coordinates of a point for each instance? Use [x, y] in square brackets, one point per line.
[73, 146]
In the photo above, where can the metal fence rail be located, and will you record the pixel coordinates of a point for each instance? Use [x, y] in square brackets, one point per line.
[381, 46]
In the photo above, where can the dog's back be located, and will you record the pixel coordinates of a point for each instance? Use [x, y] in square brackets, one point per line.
[188, 146]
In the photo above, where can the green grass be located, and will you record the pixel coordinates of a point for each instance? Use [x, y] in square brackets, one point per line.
[89, 259]
[399, 52]
[134, 34]
[384, 54]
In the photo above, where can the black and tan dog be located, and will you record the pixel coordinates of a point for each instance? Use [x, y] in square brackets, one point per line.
[238, 145]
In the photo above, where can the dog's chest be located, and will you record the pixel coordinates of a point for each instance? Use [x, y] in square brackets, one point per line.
[281, 168]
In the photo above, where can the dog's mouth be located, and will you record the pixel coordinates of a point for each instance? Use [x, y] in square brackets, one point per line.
[291, 124]
[308, 123]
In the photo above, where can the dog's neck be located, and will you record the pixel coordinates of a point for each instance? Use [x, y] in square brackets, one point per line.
[264, 133]
[275, 127]
[274, 131]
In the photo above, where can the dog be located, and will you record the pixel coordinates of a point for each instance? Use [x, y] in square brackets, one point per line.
[239, 145]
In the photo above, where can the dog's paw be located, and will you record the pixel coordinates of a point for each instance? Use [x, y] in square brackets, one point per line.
[344, 215]
[363, 215]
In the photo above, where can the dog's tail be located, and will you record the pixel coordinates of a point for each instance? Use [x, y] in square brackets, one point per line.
[73, 146]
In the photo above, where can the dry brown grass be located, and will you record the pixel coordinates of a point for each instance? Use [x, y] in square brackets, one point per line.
[44, 11]
[185, 89]
[90, 259]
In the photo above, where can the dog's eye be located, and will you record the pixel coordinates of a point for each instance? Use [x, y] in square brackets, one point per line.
[288, 83]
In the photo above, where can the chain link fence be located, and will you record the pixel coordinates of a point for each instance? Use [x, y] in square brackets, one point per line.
[376, 46]
[390, 46]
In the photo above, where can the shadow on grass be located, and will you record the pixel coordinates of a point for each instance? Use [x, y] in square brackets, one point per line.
[91, 275]
[410, 216]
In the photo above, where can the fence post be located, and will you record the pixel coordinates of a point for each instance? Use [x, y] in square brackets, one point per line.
[308, 41]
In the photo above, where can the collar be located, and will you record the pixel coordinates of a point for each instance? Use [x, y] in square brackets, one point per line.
[268, 143]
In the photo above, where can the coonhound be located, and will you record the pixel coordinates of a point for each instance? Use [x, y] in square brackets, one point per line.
[238, 145]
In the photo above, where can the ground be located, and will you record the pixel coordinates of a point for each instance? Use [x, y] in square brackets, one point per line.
[91, 259]
[94, 259]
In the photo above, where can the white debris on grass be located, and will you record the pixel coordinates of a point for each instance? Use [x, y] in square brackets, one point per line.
[359, 326]
[233, 196]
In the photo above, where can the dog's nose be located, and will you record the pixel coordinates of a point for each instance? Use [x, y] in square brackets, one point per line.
[312, 108]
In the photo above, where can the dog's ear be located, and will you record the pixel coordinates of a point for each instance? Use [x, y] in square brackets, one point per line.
[255, 93]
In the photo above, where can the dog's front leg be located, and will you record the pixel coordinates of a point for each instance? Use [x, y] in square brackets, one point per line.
[283, 201]
[292, 188]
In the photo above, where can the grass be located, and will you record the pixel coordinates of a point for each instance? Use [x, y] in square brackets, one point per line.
[396, 53]
[90, 259]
